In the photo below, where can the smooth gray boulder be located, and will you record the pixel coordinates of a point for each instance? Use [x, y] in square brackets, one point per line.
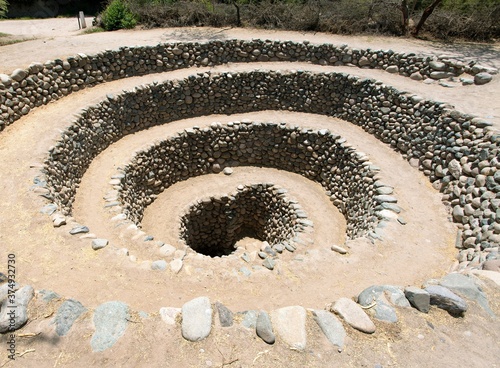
[196, 319]
[110, 321]
[467, 287]
[418, 298]
[67, 314]
[331, 327]
[264, 328]
[482, 78]
[445, 299]
[382, 296]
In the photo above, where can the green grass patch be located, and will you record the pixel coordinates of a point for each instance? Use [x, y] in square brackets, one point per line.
[11, 41]
[93, 30]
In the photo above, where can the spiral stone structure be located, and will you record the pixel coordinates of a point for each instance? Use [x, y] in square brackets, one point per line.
[211, 172]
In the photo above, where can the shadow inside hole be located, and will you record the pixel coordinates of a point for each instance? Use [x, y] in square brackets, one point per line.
[213, 227]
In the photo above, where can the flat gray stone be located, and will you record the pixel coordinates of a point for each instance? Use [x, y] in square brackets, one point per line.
[110, 321]
[49, 209]
[445, 299]
[99, 243]
[67, 314]
[79, 230]
[331, 327]
[14, 311]
[225, 315]
[290, 325]
[466, 286]
[354, 315]
[159, 265]
[269, 263]
[418, 298]
[196, 319]
[250, 319]
[48, 296]
[385, 198]
[264, 328]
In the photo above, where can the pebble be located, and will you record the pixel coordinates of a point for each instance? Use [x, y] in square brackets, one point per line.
[338, 249]
[79, 230]
[227, 171]
[48, 296]
[99, 243]
[176, 265]
[110, 321]
[225, 315]
[354, 315]
[269, 263]
[159, 265]
[196, 319]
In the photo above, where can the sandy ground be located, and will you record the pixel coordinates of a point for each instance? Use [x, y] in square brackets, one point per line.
[49, 258]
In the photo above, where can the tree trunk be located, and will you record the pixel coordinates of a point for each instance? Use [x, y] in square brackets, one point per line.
[406, 16]
[427, 13]
[238, 16]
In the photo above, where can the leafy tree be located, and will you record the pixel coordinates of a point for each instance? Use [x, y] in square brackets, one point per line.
[3, 8]
[117, 15]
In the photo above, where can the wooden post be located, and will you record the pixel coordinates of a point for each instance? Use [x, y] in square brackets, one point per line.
[81, 20]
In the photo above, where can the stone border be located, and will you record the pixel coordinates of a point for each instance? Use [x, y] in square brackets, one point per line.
[456, 151]
[286, 325]
[39, 84]
[320, 156]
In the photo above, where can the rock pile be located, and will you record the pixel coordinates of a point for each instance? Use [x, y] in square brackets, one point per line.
[457, 152]
[345, 174]
[40, 83]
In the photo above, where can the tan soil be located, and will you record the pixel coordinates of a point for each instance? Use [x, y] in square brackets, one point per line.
[49, 258]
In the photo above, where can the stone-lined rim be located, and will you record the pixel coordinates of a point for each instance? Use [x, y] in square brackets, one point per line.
[441, 139]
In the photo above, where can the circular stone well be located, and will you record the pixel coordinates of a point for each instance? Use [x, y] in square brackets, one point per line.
[214, 225]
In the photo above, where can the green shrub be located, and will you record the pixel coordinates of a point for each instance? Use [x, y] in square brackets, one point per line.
[3, 8]
[117, 15]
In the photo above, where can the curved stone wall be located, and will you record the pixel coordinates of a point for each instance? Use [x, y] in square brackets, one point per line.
[40, 83]
[456, 151]
[316, 155]
[212, 226]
